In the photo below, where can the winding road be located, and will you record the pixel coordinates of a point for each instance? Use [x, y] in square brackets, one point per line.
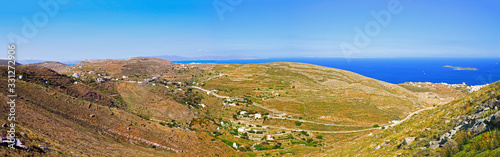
[307, 121]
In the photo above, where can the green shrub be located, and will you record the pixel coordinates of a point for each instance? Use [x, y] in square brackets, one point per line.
[298, 123]
[483, 143]
[488, 113]
[462, 137]
[495, 152]
[461, 153]
[303, 132]
[471, 153]
[484, 154]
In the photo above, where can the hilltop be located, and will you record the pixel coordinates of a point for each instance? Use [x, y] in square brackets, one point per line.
[5, 62]
[180, 58]
[53, 65]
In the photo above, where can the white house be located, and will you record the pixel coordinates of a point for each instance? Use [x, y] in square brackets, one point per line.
[243, 112]
[99, 80]
[76, 75]
[257, 116]
[269, 137]
[242, 129]
[202, 105]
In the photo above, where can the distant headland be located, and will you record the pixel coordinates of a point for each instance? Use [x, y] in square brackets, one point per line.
[460, 68]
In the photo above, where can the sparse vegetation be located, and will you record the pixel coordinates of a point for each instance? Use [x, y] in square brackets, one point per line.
[168, 107]
[298, 123]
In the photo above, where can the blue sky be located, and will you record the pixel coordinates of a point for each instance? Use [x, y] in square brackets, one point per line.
[96, 29]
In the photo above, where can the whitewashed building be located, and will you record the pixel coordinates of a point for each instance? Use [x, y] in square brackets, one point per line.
[257, 116]
[269, 137]
[243, 112]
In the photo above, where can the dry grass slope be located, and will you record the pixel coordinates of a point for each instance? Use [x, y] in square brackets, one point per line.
[54, 112]
[425, 127]
[316, 92]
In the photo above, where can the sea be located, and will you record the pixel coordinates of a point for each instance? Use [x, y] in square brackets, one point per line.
[399, 70]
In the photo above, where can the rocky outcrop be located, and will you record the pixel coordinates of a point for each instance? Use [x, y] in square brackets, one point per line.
[380, 146]
[408, 140]
[434, 144]
[486, 117]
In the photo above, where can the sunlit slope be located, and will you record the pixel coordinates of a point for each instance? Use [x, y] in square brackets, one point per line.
[77, 120]
[431, 125]
[129, 67]
[151, 102]
[56, 66]
[315, 92]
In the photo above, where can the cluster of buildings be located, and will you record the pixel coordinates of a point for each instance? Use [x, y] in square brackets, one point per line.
[256, 115]
[475, 87]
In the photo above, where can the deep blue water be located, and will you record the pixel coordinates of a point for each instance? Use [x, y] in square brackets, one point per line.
[400, 70]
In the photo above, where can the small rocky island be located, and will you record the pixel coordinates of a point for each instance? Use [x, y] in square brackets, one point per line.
[460, 68]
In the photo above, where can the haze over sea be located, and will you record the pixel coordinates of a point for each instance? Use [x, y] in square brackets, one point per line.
[399, 70]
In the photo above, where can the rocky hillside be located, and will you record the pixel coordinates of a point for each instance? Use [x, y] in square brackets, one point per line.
[132, 66]
[56, 117]
[438, 93]
[467, 126]
[153, 107]
[56, 66]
